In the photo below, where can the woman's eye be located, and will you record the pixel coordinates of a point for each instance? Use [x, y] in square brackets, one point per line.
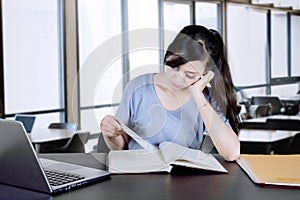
[190, 76]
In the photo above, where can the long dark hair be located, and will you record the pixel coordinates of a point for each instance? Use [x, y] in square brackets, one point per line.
[195, 42]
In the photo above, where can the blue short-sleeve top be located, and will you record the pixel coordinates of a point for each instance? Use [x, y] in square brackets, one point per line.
[141, 110]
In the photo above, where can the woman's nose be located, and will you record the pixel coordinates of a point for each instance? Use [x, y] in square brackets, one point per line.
[180, 73]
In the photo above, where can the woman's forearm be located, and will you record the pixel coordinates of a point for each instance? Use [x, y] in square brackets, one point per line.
[223, 137]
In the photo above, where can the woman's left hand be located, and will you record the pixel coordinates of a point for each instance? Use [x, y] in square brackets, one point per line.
[199, 86]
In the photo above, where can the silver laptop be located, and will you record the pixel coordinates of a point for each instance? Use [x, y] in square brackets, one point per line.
[20, 166]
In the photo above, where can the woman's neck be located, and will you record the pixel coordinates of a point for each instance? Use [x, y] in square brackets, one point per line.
[169, 97]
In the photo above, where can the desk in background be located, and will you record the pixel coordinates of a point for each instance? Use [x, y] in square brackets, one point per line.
[256, 141]
[212, 186]
[277, 134]
[273, 122]
[44, 135]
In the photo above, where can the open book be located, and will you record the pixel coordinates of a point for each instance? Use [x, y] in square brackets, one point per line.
[162, 159]
[272, 169]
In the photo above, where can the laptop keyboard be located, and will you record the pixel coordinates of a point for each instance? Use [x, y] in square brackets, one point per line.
[60, 178]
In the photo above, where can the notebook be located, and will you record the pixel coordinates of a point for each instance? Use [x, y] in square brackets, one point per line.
[27, 120]
[272, 169]
[20, 165]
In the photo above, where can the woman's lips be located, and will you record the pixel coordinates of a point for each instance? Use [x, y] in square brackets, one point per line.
[176, 85]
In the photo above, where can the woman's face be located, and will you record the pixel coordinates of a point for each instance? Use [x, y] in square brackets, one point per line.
[185, 75]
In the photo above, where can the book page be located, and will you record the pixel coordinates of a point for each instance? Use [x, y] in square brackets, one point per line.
[179, 155]
[138, 139]
[171, 151]
[136, 161]
[272, 169]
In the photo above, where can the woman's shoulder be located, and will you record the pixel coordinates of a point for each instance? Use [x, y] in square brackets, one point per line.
[139, 81]
[144, 78]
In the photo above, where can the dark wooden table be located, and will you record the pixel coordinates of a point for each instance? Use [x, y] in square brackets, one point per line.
[181, 185]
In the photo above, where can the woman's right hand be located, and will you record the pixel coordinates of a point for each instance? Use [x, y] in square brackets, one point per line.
[111, 126]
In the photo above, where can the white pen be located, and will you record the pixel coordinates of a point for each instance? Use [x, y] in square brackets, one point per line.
[208, 84]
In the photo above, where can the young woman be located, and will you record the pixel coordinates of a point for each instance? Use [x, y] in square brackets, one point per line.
[195, 94]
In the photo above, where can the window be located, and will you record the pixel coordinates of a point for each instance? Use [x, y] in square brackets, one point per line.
[99, 25]
[268, 39]
[285, 90]
[279, 44]
[295, 48]
[31, 47]
[207, 15]
[143, 37]
[247, 45]
[176, 16]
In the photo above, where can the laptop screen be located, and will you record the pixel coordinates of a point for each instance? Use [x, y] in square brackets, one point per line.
[27, 121]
